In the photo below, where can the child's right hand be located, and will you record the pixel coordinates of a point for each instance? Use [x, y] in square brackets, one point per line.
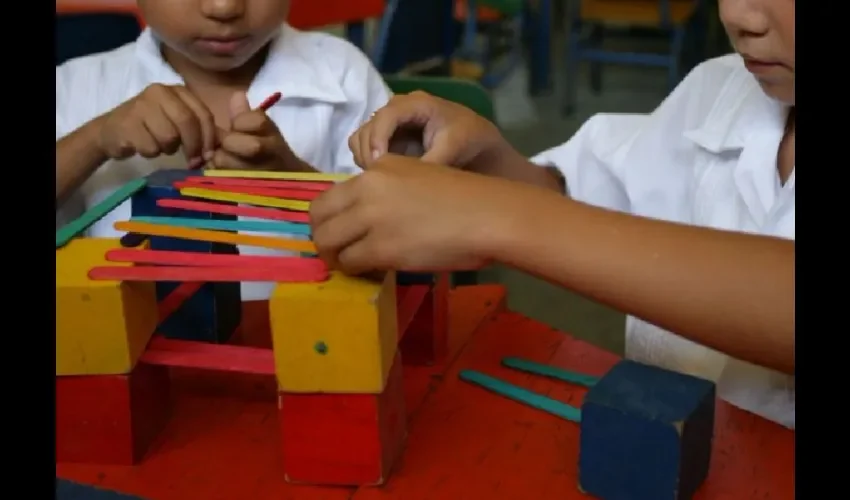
[159, 121]
[451, 134]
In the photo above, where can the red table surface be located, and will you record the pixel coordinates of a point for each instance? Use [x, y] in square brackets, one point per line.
[464, 443]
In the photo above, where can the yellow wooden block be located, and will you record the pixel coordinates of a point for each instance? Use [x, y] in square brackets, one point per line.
[102, 327]
[338, 336]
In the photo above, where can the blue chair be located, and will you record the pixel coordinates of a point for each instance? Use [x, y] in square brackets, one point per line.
[671, 18]
[83, 34]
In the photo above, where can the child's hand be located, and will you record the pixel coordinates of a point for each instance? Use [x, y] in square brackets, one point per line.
[450, 134]
[253, 141]
[406, 215]
[158, 121]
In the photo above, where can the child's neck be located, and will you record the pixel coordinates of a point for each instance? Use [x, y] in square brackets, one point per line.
[785, 156]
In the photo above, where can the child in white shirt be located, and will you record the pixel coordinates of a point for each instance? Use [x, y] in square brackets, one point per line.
[683, 218]
[185, 91]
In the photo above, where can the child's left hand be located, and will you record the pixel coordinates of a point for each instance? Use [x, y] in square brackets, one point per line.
[253, 141]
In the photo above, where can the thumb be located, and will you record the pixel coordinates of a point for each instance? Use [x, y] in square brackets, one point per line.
[239, 104]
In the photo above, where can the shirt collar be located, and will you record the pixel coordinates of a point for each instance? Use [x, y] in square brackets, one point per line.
[741, 107]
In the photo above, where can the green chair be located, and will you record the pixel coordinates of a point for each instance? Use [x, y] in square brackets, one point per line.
[465, 92]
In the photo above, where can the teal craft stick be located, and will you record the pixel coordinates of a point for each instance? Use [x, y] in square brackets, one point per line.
[77, 226]
[521, 395]
[551, 372]
[230, 225]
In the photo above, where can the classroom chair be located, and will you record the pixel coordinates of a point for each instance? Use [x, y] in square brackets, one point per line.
[81, 34]
[465, 92]
[672, 18]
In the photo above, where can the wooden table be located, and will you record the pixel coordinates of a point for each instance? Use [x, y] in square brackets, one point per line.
[464, 443]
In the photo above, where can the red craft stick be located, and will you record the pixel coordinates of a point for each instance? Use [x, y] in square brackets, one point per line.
[409, 300]
[235, 210]
[292, 194]
[216, 357]
[198, 259]
[176, 298]
[204, 182]
[211, 274]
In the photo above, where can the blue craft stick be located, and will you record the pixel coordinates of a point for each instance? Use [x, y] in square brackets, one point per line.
[97, 212]
[551, 372]
[521, 395]
[230, 225]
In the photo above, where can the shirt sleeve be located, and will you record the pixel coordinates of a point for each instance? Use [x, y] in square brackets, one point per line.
[609, 150]
[362, 80]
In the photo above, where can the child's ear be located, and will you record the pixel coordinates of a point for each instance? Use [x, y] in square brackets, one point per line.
[239, 104]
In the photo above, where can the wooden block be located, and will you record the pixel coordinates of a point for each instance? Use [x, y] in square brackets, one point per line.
[213, 314]
[111, 419]
[344, 439]
[426, 340]
[646, 434]
[337, 336]
[102, 327]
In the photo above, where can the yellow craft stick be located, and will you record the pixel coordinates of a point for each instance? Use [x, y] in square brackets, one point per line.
[250, 199]
[287, 176]
[186, 233]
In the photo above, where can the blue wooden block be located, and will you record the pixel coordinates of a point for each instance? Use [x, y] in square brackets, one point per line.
[214, 313]
[646, 434]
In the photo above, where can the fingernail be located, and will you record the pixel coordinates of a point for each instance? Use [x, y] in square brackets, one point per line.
[376, 154]
[208, 155]
[195, 163]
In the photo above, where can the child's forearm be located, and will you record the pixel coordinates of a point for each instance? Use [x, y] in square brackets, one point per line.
[77, 157]
[730, 291]
[510, 164]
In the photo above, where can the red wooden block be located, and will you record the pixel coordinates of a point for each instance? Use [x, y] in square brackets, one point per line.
[344, 439]
[111, 419]
[425, 342]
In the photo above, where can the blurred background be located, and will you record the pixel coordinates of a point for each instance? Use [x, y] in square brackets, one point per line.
[537, 68]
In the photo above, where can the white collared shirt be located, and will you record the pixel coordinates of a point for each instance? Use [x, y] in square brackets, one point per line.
[706, 157]
[329, 89]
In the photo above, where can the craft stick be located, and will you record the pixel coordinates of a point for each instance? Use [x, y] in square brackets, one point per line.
[176, 298]
[97, 212]
[263, 201]
[206, 274]
[521, 395]
[264, 106]
[216, 357]
[186, 233]
[293, 194]
[288, 176]
[551, 372]
[239, 211]
[198, 259]
[229, 225]
[273, 184]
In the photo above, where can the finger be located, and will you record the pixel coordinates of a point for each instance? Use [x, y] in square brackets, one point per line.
[402, 110]
[160, 127]
[251, 122]
[338, 232]
[335, 200]
[143, 141]
[203, 136]
[441, 153]
[354, 146]
[238, 104]
[359, 258]
[245, 146]
[367, 153]
[222, 160]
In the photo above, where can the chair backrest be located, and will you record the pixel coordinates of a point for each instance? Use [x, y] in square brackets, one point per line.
[89, 33]
[465, 92]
